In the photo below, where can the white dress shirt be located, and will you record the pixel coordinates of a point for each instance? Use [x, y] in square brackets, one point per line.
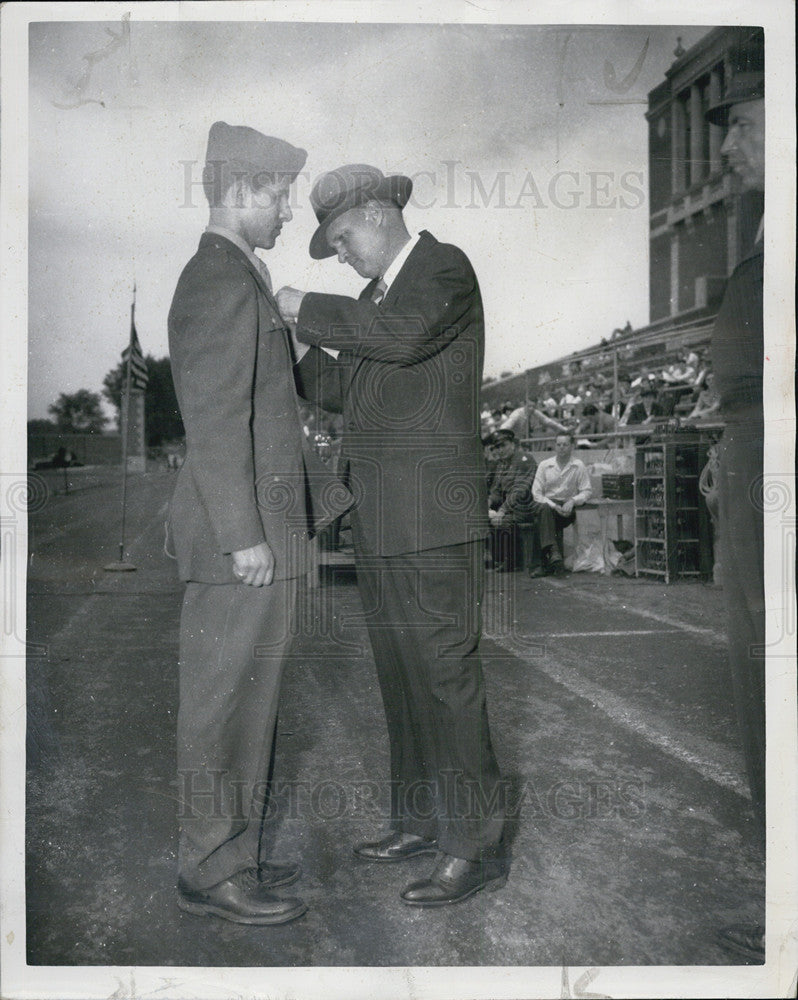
[397, 263]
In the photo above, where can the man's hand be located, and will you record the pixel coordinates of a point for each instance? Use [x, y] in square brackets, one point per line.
[288, 302]
[254, 566]
[567, 507]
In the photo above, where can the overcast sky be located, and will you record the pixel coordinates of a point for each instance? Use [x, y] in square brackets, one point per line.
[484, 116]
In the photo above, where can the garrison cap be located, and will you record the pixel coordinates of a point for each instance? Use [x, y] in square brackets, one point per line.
[503, 434]
[744, 87]
[238, 149]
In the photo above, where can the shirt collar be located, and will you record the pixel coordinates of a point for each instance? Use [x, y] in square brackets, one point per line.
[396, 264]
[236, 240]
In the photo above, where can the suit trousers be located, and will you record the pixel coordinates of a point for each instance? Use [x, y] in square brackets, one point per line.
[550, 527]
[233, 644]
[423, 618]
[741, 526]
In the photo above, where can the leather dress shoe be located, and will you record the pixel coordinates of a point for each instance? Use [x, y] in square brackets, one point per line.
[747, 940]
[396, 846]
[242, 898]
[272, 873]
[536, 571]
[455, 879]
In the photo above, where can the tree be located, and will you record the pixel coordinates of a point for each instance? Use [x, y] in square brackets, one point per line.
[78, 412]
[41, 426]
[162, 414]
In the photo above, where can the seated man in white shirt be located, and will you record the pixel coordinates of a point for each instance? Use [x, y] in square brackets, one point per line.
[561, 485]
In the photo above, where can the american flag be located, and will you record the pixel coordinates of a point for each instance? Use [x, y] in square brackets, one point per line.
[138, 366]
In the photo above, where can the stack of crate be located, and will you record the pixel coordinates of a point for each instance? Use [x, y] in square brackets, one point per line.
[618, 487]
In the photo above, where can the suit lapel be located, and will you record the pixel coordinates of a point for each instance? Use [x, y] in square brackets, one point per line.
[228, 247]
[406, 275]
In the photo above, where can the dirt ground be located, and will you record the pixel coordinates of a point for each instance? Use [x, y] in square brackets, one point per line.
[611, 714]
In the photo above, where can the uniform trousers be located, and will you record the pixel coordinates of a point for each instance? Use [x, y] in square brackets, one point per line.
[423, 616]
[233, 644]
[741, 527]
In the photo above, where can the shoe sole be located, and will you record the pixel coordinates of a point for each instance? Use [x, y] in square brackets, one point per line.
[285, 880]
[402, 857]
[492, 885]
[204, 910]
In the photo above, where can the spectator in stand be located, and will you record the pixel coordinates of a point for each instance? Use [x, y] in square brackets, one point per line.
[683, 371]
[648, 410]
[594, 422]
[510, 501]
[561, 485]
[550, 408]
[569, 403]
[624, 396]
[528, 419]
[708, 401]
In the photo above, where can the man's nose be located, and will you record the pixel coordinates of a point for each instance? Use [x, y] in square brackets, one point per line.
[285, 212]
[729, 142]
[341, 256]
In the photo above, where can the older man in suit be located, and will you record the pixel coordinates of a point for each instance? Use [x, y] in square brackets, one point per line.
[407, 380]
[738, 362]
[239, 521]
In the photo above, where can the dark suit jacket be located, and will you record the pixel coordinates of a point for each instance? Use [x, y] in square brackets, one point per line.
[247, 476]
[407, 382]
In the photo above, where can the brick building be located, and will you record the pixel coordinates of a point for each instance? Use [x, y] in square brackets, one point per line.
[700, 225]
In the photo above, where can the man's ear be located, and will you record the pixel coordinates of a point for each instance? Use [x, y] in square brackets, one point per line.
[373, 212]
[238, 193]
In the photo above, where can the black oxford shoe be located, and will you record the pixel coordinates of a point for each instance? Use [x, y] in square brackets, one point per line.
[455, 879]
[272, 874]
[396, 846]
[242, 898]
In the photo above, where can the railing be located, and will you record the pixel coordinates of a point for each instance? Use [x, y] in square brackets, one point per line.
[630, 431]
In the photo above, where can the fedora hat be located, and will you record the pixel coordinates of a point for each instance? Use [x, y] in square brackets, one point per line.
[744, 87]
[346, 188]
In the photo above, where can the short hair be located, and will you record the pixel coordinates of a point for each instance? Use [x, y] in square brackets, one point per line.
[218, 176]
[590, 409]
[565, 434]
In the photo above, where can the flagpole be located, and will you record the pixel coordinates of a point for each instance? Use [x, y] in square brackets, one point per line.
[121, 565]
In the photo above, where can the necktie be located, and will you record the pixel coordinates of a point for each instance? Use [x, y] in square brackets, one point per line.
[264, 273]
[379, 292]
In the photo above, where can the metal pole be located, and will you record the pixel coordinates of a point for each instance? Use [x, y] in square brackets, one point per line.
[122, 565]
[125, 428]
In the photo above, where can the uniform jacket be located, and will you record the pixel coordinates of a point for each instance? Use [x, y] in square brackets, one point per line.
[407, 381]
[247, 476]
[511, 489]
